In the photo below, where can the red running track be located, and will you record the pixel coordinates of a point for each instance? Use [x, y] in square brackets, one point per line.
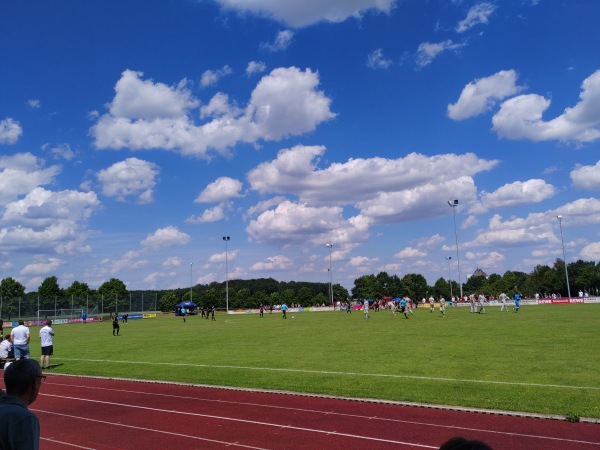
[80, 412]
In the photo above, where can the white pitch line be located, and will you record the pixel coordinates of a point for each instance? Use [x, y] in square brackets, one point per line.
[66, 443]
[231, 419]
[334, 413]
[330, 372]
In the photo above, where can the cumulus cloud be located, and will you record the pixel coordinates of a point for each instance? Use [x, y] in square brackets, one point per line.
[282, 41]
[586, 177]
[591, 252]
[213, 214]
[10, 131]
[60, 151]
[148, 115]
[478, 14]
[278, 262]
[42, 268]
[481, 95]
[218, 258]
[165, 237]
[212, 77]
[301, 14]
[428, 51]
[376, 60]
[34, 103]
[521, 117]
[254, 67]
[173, 261]
[222, 189]
[513, 194]
[22, 172]
[130, 178]
[410, 252]
[383, 189]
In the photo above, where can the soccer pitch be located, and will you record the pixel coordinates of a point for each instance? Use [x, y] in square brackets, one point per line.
[545, 359]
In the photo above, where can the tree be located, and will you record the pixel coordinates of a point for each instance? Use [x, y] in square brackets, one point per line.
[49, 292]
[305, 297]
[78, 290]
[415, 286]
[441, 287]
[114, 292]
[168, 301]
[288, 297]
[11, 292]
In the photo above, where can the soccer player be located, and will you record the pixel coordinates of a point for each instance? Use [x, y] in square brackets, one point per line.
[503, 297]
[409, 305]
[443, 306]
[116, 326]
[284, 311]
[431, 304]
[517, 302]
[366, 309]
[481, 301]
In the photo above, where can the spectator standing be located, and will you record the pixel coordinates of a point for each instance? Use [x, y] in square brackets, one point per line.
[46, 336]
[20, 339]
[19, 427]
[6, 348]
[1, 327]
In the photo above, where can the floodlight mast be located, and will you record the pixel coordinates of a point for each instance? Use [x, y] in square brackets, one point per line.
[226, 239]
[453, 204]
[564, 256]
[330, 246]
[449, 258]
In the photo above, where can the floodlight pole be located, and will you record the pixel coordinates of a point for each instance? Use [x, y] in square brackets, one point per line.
[564, 256]
[330, 246]
[453, 204]
[449, 258]
[226, 239]
[191, 282]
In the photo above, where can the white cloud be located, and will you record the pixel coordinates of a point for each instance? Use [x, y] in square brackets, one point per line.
[60, 151]
[22, 172]
[213, 214]
[278, 262]
[428, 51]
[212, 77]
[481, 95]
[410, 252]
[299, 14]
[173, 261]
[34, 103]
[376, 60]
[591, 252]
[282, 41]
[10, 131]
[165, 237]
[478, 14]
[586, 177]
[218, 258]
[130, 178]
[517, 193]
[255, 67]
[221, 189]
[42, 268]
[521, 117]
[148, 115]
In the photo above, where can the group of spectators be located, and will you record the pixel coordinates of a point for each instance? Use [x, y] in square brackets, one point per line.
[23, 378]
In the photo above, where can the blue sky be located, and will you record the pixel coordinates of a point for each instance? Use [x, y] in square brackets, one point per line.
[134, 135]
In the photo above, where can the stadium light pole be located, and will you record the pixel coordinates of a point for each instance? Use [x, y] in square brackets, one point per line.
[191, 282]
[449, 258]
[564, 256]
[330, 246]
[453, 204]
[226, 239]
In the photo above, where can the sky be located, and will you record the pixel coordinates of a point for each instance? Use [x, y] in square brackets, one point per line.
[135, 135]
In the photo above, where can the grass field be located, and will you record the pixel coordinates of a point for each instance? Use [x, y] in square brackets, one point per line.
[545, 359]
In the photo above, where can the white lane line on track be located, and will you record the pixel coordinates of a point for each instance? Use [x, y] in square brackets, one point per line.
[118, 424]
[330, 372]
[334, 413]
[56, 441]
[230, 419]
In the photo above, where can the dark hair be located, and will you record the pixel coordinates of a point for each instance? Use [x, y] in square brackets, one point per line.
[21, 322]
[460, 443]
[20, 375]
[49, 322]
[7, 337]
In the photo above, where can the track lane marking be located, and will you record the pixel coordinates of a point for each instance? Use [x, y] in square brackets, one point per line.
[231, 419]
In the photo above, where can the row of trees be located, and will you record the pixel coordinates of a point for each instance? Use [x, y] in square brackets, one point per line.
[113, 295]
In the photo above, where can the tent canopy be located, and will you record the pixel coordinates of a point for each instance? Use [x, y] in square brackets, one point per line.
[186, 305]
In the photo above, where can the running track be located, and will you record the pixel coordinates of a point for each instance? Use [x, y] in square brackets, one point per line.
[80, 412]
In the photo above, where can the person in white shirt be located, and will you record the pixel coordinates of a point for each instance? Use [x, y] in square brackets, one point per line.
[20, 340]
[503, 298]
[6, 347]
[366, 308]
[46, 336]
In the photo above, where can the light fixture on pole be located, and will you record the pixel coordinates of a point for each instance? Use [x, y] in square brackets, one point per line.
[191, 282]
[330, 246]
[453, 204]
[226, 239]
[564, 256]
[449, 258]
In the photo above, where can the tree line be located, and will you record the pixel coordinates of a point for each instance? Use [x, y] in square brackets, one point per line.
[113, 295]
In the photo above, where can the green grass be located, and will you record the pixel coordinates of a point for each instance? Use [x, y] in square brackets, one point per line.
[545, 359]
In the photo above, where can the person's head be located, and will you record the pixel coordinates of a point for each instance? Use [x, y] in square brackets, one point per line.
[7, 337]
[21, 322]
[460, 443]
[49, 323]
[23, 379]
